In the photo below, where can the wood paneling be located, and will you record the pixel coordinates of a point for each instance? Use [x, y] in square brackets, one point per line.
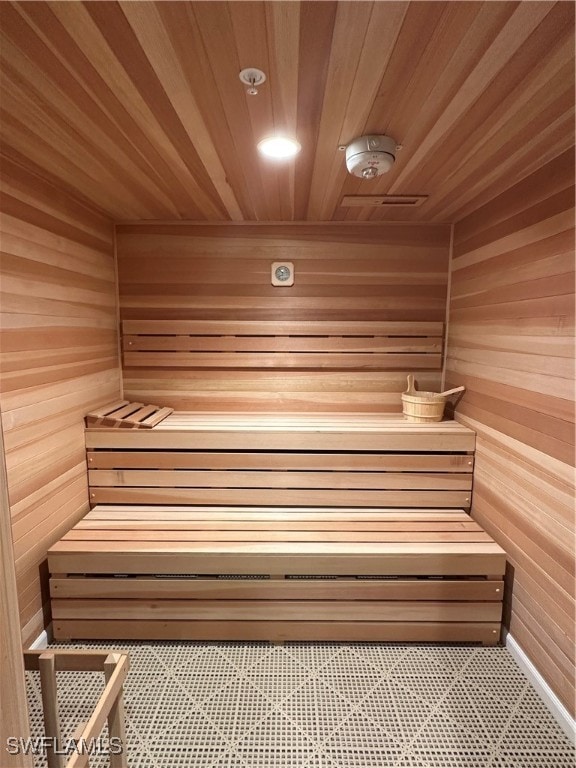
[13, 706]
[59, 359]
[511, 342]
[138, 109]
[343, 274]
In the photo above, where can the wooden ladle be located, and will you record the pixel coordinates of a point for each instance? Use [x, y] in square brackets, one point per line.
[451, 391]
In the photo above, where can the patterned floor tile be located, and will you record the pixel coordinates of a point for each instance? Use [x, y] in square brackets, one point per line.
[314, 656]
[278, 675]
[384, 656]
[495, 675]
[150, 705]
[528, 738]
[361, 741]
[400, 716]
[275, 741]
[237, 709]
[244, 656]
[441, 744]
[451, 658]
[351, 676]
[269, 757]
[192, 741]
[534, 758]
[428, 685]
[485, 719]
[230, 760]
[317, 709]
[203, 676]
[411, 761]
[321, 761]
[319, 705]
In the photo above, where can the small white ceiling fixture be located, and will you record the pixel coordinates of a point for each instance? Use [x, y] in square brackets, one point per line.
[370, 156]
[252, 77]
[279, 147]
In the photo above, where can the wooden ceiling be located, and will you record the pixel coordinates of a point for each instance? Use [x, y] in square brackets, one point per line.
[136, 107]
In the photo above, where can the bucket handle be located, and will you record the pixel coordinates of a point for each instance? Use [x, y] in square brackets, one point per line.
[451, 391]
[411, 388]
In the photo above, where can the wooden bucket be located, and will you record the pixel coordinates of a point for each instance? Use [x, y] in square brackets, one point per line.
[424, 406]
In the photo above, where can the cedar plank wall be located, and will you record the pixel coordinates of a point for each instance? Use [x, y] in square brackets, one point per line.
[222, 272]
[511, 342]
[59, 359]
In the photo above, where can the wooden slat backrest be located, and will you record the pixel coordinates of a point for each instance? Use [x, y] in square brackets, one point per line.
[313, 345]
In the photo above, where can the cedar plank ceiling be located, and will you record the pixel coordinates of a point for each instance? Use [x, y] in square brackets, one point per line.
[136, 107]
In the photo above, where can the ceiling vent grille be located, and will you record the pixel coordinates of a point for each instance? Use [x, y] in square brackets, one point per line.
[382, 201]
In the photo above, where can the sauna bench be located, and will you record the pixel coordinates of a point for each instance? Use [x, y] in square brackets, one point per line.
[230, 573]
[320, 461]
[265, 527]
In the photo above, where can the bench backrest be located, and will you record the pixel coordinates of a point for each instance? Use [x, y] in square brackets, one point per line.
[235, 365]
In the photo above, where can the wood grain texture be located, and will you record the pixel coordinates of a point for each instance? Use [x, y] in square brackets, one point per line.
[293, 461]
[276, 589]
[13, 705]
[345, 346]
[275, 610]
[334, 568]
[127, 415]
[511, 342]
[180, 277]
[108, 708]
[224, 432]
[136, 110]
[59, 360]
[280, 631]
[137, 107]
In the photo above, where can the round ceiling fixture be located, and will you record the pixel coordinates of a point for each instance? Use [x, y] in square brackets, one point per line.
[252, 77]
[279, 147]
[370, 156]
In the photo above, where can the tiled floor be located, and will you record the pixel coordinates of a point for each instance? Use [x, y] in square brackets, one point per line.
[321, 705]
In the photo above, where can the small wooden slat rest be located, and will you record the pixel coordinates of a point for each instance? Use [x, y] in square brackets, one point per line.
[127, 415]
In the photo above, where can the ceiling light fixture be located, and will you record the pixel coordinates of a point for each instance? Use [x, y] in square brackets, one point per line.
[279, 147]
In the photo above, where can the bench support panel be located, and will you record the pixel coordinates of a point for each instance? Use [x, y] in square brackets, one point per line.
[280, 631]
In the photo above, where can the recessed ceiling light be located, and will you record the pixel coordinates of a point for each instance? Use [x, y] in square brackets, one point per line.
[279, 147]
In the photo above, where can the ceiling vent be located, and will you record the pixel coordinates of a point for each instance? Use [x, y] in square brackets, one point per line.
[382, 201]
[370, 156]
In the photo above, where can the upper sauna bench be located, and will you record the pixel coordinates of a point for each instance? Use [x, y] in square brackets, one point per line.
[283, 460]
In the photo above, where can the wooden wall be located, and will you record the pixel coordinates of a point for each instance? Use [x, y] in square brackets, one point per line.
[343, 272]
[59, 358]
[511, 342]
[13, 704]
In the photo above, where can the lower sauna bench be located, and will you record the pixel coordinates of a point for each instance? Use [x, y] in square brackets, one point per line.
[240, 573]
